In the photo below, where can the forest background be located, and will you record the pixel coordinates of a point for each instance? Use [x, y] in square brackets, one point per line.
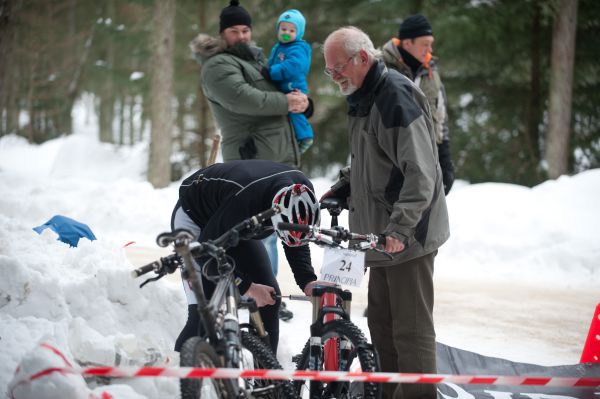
[522, 77]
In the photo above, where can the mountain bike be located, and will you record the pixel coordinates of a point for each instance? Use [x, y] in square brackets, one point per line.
[224, 340]
[335, 342]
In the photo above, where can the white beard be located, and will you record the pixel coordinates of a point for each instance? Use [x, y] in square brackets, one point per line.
[350, 88]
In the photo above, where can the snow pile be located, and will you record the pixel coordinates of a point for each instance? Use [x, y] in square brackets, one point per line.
[544, 235]
[83, 300]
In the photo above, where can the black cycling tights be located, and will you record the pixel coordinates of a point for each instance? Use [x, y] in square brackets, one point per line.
[251, 261]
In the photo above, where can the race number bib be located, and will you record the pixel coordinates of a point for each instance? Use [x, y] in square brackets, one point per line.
[343, 266]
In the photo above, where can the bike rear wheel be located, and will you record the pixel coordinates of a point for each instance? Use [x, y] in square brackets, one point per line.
[196, 352]
[263, 358]
[360, 350]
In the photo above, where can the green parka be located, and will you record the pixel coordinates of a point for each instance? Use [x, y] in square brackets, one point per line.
[249, 110]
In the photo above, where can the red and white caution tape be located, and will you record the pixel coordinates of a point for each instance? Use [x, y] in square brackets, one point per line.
[405, 378]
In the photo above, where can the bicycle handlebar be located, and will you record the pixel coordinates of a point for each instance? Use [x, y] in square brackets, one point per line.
[338, 233]
[167, 264]
[140, 271]
[243, 230]
[304, 228]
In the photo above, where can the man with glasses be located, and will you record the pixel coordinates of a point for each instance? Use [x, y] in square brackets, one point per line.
[393, 186]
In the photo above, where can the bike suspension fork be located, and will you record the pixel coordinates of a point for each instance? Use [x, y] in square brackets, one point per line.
[231, 329]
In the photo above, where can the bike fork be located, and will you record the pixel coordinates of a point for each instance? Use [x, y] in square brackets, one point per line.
[315, 359]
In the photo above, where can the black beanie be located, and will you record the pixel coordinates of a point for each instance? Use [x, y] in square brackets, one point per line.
[233, 15]
[414, 26]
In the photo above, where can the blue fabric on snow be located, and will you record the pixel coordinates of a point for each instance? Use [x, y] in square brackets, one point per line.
[69, 231]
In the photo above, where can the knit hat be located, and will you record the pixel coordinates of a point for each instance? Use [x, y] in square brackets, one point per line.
[295, 17]
[233, 15]
[414, 26]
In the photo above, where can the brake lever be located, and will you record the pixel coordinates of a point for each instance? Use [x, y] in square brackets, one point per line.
[161, 275]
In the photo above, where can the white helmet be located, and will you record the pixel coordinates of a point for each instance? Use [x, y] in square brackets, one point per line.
[299, 205]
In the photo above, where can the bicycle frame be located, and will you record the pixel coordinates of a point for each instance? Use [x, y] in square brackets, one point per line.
[325, 309]
[219, 314]
[329, 346]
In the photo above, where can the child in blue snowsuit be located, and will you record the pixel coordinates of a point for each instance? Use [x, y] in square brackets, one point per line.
[288, 66]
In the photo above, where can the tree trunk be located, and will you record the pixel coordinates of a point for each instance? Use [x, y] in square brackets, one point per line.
[202, 104]
[159, 167]
[535, 95]
[107, 90]
[561, 89]
[9, 68]
[121, 103]
[131, 106]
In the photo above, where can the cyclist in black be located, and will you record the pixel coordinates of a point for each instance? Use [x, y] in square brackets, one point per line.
[216, 198]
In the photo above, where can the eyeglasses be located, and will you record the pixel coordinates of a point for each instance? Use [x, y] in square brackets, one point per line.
[338, 69]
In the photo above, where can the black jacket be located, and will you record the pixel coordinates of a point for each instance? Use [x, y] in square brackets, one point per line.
[220, 196]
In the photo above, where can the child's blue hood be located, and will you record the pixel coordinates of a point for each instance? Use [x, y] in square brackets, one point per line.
[295, 17]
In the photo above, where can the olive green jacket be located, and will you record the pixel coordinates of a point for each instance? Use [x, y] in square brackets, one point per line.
[428, 80]
[249, 110]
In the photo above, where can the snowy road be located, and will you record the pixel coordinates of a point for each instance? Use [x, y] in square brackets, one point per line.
[515, 321]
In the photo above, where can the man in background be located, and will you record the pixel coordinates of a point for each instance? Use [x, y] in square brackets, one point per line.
[250, 111]
[410, 54]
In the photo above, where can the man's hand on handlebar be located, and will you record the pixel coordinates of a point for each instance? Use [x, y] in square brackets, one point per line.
[393, 245]
[262, 294]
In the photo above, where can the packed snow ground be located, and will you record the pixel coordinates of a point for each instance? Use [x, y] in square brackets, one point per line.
[522, 244]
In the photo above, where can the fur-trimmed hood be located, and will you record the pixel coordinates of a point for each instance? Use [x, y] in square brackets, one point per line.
[205, 46]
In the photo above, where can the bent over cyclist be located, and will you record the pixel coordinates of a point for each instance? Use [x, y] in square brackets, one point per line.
[216, 198]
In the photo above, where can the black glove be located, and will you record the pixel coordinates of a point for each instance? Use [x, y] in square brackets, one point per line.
[265, 73]
[448, 178]
[446, 165]
[248, 150]
[310, 110]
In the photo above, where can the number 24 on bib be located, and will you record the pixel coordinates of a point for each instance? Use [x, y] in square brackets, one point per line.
[343, 266]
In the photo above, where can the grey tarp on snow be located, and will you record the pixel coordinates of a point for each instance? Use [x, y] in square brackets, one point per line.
[456, 361]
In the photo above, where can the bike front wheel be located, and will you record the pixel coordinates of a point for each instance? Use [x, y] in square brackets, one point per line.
[196, 352]
[263, 358]
[359, 352]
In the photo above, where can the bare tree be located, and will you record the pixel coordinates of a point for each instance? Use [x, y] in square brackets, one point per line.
[159, 165]
[561, 89]
[203, 116]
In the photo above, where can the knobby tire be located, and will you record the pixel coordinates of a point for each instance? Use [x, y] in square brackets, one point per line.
[361, 349]
[196, 352]
[265, 359]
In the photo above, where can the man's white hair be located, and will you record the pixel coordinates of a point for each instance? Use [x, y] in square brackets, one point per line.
[352, 40]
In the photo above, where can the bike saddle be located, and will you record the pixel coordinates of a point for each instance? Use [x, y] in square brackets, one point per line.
[165, 239]
[333, 204]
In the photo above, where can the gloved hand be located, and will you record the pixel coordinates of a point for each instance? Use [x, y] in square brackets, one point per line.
[448, 179]
[248, 150]
[304, 145]
[308, 112]
[327, 194]
[446, 165]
